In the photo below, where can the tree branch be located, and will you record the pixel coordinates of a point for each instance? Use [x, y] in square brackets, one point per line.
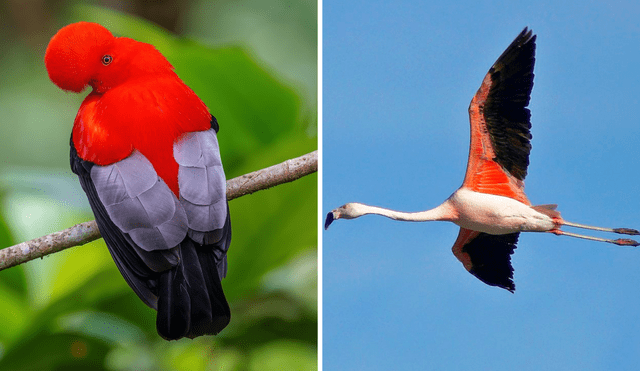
[83, 233]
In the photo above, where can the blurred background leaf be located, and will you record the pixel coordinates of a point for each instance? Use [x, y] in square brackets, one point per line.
[254, 63]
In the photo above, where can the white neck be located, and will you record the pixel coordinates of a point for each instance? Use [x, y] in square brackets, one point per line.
[443, 212]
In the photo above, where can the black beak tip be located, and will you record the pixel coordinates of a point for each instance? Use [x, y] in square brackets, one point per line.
[328, 221]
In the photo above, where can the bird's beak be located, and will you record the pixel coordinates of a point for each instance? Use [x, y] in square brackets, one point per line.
[330, 218]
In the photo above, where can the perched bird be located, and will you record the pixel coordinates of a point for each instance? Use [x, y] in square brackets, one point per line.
[491, 207]
[145, 150]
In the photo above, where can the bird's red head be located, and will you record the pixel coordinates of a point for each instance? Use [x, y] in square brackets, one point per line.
[84, 53]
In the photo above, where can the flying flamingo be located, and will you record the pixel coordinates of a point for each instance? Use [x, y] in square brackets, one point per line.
[491, 207]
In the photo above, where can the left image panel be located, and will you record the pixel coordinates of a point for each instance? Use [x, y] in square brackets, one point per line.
[183, 235]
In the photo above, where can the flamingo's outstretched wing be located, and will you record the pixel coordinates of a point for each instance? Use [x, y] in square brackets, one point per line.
[487, 256]
[500, 123]
[499, 156]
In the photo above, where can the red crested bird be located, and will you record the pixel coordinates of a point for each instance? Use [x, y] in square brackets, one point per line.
[145, 150]
[491, 207]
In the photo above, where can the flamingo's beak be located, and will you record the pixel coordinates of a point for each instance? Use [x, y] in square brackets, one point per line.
[329, 220]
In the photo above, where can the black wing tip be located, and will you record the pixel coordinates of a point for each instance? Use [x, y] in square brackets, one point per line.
[526, 38]
[526, 34]
[328, 220]
[495, 279]
[510, 286]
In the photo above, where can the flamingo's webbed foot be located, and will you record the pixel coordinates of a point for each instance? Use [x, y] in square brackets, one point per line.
[630, 231]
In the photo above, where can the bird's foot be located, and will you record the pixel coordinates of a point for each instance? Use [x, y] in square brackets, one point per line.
[625, 242]
[633, 232]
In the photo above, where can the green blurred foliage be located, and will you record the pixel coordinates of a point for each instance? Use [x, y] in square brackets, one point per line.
[72, 310]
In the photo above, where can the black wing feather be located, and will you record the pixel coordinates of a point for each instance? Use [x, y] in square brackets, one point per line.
[506, 116]
[491, 259]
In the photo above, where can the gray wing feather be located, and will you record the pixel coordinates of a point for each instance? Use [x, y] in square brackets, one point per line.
[202, 184]
[140, 203]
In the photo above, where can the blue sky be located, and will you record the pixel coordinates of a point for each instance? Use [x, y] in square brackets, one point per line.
[397, 80]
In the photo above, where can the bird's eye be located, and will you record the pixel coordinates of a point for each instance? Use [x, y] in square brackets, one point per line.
[107, 59]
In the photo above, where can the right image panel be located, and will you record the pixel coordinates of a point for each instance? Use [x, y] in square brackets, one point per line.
[435, 255]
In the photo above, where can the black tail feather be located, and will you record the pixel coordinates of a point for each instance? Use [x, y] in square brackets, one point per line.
[220, 313]
[191, 302]
[174, 305]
